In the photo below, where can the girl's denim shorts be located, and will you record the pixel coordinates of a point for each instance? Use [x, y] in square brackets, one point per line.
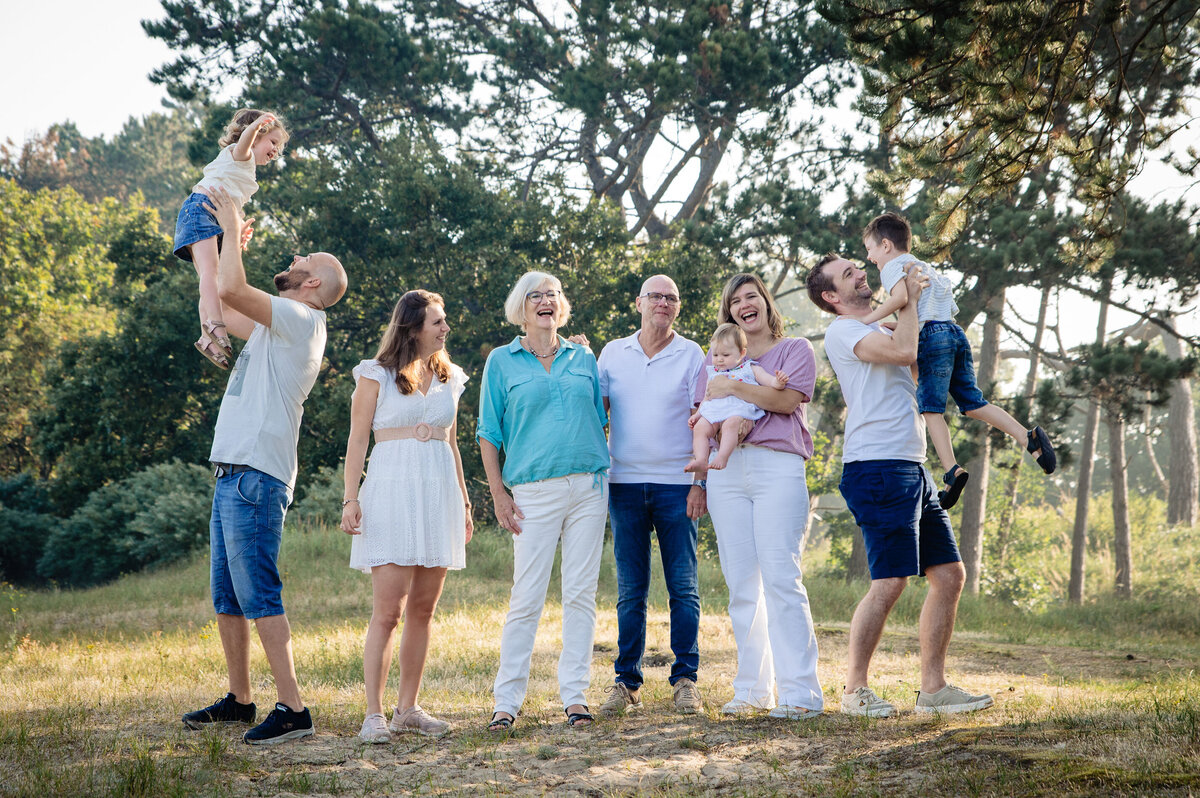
[194, 224]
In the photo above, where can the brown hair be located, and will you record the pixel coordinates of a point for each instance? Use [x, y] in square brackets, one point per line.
[243, 118]
[398, 349]
[729, 333]
[891, 226]
[774, 317]
[818, 282]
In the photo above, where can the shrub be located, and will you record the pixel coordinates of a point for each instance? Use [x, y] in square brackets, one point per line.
[156, 516]
[322, 501]
[25, 524]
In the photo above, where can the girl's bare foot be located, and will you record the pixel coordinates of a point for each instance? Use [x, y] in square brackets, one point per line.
[695, 464]
[718, 462]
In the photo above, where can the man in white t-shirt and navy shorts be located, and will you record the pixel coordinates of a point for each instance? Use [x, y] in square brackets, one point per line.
[887, 487]
[254, 453]
[648, 381]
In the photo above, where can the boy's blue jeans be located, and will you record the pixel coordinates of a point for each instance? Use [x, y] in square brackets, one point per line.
[636, 509]
[945, 366]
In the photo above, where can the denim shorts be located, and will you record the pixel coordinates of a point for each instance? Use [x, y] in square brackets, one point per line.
[244, 536]
[194, 224]
[944, 365]
[895, 504]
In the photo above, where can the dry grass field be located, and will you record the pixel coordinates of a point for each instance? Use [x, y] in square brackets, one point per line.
[1102, 701]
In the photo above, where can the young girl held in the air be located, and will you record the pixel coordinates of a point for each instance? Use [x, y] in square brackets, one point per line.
[252, 138]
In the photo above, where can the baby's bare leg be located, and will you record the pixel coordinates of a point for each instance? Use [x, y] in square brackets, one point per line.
[728, 440]
[701, 432]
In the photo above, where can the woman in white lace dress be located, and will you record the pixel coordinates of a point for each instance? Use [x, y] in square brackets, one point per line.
[412, 520]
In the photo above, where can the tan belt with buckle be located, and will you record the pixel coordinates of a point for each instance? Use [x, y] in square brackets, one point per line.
[421, 432]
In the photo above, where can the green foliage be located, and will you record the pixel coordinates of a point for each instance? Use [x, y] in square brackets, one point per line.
[157, 516]
[1125, 377]
[25, 523]
[54, 279]
[981, 95]
[322, 502]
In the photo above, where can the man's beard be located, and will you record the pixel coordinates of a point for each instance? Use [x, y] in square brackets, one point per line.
[289, 280]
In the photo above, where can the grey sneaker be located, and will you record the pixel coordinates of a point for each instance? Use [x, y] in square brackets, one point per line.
[865, 703]
[951, 699]
[790, 712]
[620, 701]
[687, 697]
[415, 719]
[374, 729]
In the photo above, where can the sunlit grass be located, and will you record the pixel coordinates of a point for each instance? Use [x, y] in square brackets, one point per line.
[1092, 699]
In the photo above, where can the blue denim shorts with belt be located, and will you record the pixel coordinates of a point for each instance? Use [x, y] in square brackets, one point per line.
[245, 533]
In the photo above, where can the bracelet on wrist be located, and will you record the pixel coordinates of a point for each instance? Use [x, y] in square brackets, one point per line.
[347, 501]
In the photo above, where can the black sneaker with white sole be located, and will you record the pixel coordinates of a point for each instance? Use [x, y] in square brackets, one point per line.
[227, 710]
[280, 726]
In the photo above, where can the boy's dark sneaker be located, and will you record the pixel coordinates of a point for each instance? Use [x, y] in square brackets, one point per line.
[280, 726]
[227, 710]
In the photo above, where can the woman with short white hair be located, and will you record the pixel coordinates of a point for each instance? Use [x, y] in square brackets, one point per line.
[540, 402]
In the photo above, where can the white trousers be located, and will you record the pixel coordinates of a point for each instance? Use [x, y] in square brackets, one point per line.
[759, 509]
[571, 508]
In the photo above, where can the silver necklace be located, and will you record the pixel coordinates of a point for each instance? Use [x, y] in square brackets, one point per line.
[551, 353]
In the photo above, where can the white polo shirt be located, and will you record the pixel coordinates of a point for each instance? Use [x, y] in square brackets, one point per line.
[650, 400]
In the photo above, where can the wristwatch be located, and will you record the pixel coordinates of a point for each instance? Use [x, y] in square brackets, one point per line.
[702, 484]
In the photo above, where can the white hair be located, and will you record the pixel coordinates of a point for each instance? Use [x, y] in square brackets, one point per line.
[514, 306]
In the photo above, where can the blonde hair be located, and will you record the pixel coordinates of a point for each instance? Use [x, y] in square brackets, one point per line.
[243, 118]
[514, 305]
[729, 333]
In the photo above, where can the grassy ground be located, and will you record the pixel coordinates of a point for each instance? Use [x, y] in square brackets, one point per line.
[1096, 700]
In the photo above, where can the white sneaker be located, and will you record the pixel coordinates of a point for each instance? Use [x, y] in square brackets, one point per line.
[865, 703]
[739, 707]
[951, 699]
[790, 712]
[374, 729]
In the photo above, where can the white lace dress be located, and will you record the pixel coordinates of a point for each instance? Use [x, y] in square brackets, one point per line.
[412, 507]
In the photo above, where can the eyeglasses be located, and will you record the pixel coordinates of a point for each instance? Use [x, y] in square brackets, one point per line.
[537, 296]
[656, 297]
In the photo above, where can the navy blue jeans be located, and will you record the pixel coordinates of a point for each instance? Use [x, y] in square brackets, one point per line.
[635, 509]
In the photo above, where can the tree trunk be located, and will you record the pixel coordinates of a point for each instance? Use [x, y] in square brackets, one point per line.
[975, 498]
[1122, 543]
[857, 568]
[1083, 489]
[1014, 484]
[1183, 494]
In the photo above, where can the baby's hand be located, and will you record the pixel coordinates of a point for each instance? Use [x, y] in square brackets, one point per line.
[247, 233]
[263, 121]
[782, 378]
[693, 419]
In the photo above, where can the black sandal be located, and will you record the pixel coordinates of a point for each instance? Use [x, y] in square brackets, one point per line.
[1038, 439]
[500, 724]
[574, 718]
[955, 479]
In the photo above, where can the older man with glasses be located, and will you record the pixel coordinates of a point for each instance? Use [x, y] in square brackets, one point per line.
[647, 381]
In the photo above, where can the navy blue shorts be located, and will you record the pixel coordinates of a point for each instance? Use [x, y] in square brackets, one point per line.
[945, 366]
[895, 504]
[194, 224]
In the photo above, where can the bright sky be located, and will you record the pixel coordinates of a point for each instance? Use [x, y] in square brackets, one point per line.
[87, 62]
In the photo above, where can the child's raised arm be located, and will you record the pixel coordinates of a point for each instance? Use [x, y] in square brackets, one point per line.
[241, 150]
[892, 304]
[778, 380]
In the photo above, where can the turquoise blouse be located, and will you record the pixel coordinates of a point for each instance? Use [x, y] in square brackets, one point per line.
[547, 424]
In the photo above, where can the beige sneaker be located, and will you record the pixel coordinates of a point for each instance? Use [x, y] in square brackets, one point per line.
[415, 719]
[620, 701]
[864, 703]
[374, 729]
[951, 699]
[687, 697]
